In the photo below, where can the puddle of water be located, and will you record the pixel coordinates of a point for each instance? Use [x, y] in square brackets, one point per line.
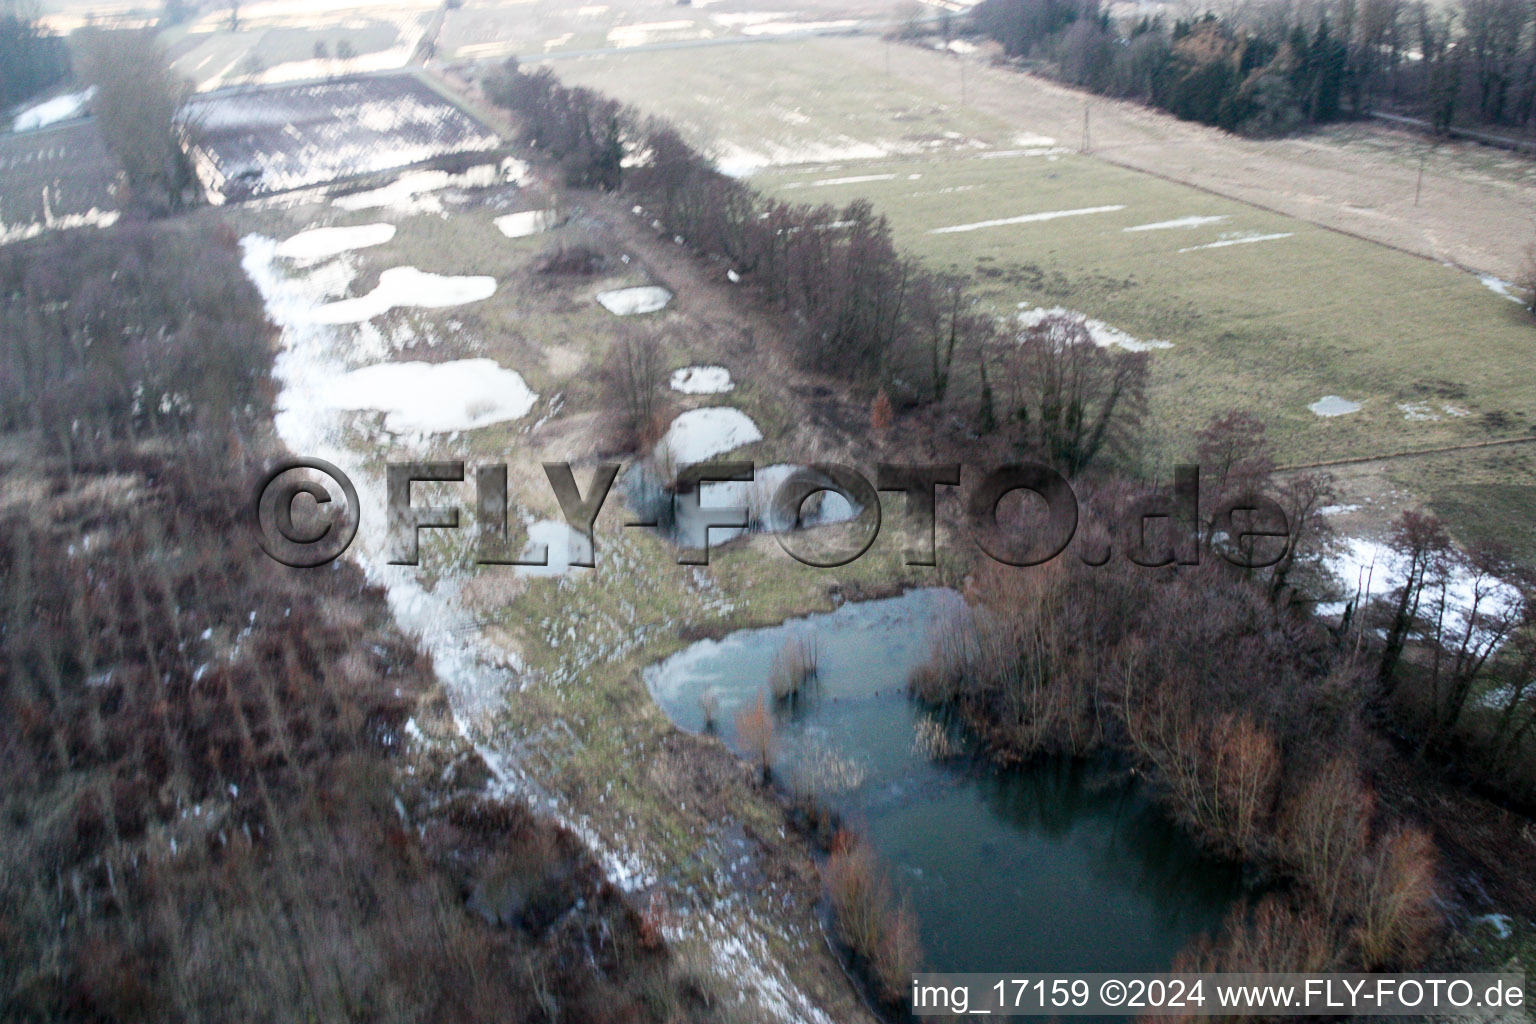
[1062, 866]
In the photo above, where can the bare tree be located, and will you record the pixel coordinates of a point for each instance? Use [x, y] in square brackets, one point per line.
[631, 383]
[1071, 398]
[138, 99]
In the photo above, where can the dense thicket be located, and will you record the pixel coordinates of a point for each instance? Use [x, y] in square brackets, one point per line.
[30, 59]
[206, 813]
[156, 335]
[855, 307]
[1267, 68]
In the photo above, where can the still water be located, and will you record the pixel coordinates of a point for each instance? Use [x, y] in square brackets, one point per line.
[1061, 866]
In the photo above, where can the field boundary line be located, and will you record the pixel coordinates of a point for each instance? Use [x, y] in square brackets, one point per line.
[1354, 459]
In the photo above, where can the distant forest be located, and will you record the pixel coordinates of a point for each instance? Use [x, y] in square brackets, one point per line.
[1269, 69]
[30, 59]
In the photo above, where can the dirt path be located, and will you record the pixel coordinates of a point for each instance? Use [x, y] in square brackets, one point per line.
[1476, 209]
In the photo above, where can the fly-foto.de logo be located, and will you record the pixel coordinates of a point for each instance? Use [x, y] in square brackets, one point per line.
[307, 512]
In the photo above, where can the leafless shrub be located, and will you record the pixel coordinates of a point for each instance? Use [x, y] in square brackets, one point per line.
[794, 665]
[1397, 915]
[881, 932]
[632, 388]
[755, 732]
[1325, 828]
[1275, 936]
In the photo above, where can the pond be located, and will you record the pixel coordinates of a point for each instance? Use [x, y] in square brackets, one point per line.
[1060, 866]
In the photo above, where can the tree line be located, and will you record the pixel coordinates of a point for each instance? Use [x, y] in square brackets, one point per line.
[31, 59]
[854, 306]
[1271, 67]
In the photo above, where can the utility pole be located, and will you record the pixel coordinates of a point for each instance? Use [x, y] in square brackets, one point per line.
[1419, 188]
[1087, 134]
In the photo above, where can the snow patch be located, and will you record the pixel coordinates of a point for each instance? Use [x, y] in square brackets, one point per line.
[529, 222]
[1103, 334]
[700, 434]
[1179, 222]
[1501, 287]
[784, 28]
[633, 301]
[1028, 218]
[560, 545]
[414, 191]
[1333, 405]
[321, 243]
[702, 380]
[406, 286]
[434, 398]
[60, 108]
[1239, 240]
[1368, 569]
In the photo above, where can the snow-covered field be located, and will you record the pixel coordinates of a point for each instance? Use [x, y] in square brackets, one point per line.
[257, 142]
[60, 108]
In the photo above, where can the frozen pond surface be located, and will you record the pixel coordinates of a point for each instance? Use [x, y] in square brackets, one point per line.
[1058, 867]
[632, 301]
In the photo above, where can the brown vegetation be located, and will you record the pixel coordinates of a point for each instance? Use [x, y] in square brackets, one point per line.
[794, 665]
[200, 750]
[851, 304]
[754, 730]
[1242, 711]
[633, 394]
[880, 932]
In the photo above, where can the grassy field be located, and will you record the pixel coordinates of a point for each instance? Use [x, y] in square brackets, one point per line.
[1433, 356]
